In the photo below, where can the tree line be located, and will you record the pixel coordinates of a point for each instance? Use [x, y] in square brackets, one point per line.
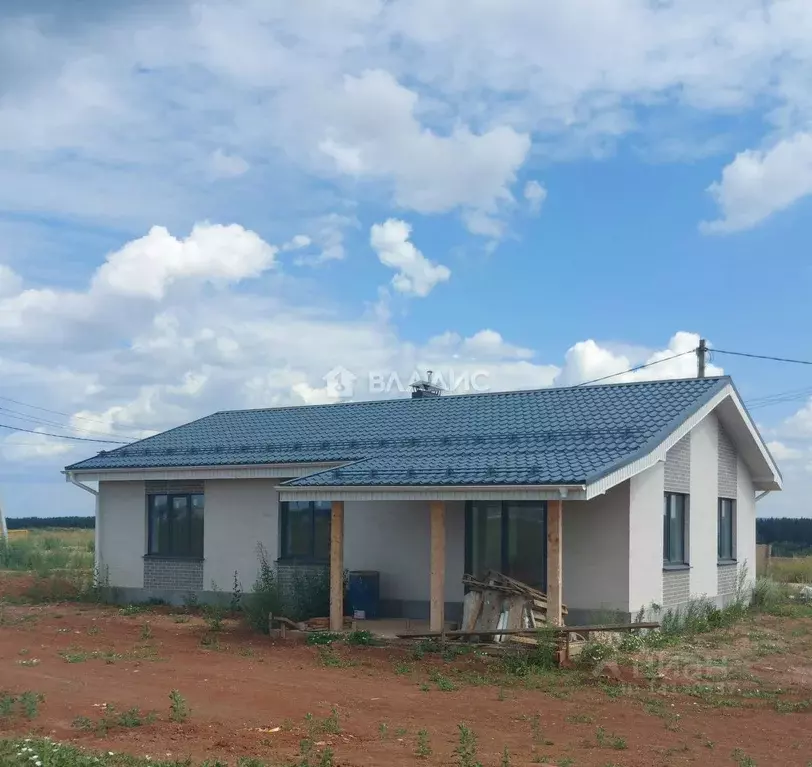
[31, 523]
[788, 535]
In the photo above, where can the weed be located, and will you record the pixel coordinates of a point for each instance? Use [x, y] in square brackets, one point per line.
[331, 724]
[538, 737]
[606, 740]
[131, 609]
[247, 652]
[178, 708]
[134, 718]
[213, 615]
[328, 658]
[403, 668]
[180, 618]
[190, 601]
[29, 703]
[236, 594]
[742, 760]
[82, 723]
[792, 707]
[466, 748]
[210, 641]
[422, 749]
[322, 637]
[6, 704]
[580, 719]
[93, 630]
[505, 757]
[443, 683]
[383, 730]
[26, 703]
[146, 632]
[361, 638]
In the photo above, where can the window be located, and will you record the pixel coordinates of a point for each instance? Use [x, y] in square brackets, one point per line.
[727, 515]
[175, 524]
[674, 529]
[510, 537]
[306, 530]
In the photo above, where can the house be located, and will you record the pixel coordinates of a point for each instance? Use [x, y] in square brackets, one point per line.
[609, 497]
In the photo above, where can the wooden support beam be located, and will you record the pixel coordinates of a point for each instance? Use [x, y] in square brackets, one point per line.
[437, 614]
[337, 566]
[554, 575]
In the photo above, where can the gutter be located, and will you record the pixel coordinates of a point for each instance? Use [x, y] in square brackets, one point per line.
[97, 522]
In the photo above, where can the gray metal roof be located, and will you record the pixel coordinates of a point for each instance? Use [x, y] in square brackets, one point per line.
[545, 436]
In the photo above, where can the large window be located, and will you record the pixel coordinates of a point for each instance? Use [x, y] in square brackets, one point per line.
[176, 524]
[727, 516]
[510, 537]
[674, 529]
[306, 530]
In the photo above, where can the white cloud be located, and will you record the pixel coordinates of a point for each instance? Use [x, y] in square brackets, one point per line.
[588, 360]
[227, 165]
[800, 423]
[416, 275]
[10, 282]
[759, 183]
[149, 265]
[297, 242]
[21, 446]
[125, 115]
[535, 195]
[373, 131]
[782, 452]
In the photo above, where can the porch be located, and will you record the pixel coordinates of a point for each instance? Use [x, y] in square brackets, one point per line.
[496, 533]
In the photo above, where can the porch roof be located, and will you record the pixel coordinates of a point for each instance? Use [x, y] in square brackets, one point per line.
[561, 436]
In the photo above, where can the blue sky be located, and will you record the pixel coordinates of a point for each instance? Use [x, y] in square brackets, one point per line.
[212, 205]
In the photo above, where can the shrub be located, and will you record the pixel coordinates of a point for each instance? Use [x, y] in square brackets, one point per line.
[307, 595]
[266, 597]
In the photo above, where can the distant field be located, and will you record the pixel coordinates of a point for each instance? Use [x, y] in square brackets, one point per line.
[791, 569]
[44, 550]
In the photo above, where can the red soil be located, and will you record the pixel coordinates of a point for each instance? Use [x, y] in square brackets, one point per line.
[248, 687]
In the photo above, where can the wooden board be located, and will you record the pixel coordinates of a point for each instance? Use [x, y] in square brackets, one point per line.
[491, 609]
[471, 608]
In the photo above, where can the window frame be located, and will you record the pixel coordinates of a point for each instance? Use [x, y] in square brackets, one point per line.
[732, 522]
[284, 554]
[171, 523]
[504, 542]
[668, 563]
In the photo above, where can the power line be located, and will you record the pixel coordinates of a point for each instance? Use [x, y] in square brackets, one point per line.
[59, 412]
[60, 436]
[636, 368]
[11, 413]
[762, 357]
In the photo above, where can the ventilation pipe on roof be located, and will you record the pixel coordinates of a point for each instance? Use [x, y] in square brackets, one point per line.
[422, 389]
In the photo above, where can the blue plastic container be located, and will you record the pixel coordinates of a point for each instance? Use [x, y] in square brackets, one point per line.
[364, 592]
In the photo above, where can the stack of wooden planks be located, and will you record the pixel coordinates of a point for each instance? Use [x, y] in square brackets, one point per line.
[500, 602]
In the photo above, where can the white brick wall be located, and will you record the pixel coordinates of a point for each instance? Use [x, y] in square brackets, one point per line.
[726, 579]
[678, 467]
[182, 574]
[676, 587]
[728, 468]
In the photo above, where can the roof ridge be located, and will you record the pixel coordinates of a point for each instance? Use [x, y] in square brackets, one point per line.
[506, 393]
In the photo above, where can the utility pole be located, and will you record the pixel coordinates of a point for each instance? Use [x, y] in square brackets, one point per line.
[701, 350]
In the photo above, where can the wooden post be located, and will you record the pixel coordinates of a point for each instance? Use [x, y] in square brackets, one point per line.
[554, 580]
[437, 615]
[337, 566]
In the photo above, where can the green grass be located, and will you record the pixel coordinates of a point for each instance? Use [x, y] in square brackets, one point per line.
[27, 752]
[61, 562]
[791, 569]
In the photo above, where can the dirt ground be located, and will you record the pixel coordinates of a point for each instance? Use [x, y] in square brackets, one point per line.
[748, 698]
